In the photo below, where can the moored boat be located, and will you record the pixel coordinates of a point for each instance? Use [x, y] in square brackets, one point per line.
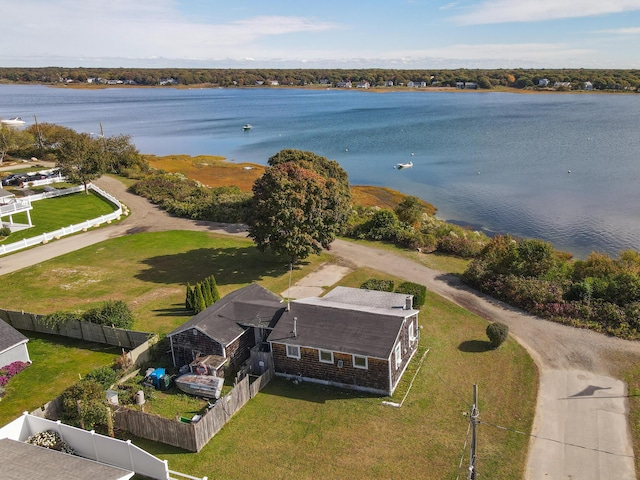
[208, 386]
[247, 126]
[13, 121]
[400, 166]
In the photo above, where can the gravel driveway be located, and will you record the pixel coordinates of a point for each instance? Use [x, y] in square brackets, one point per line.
[581, 428]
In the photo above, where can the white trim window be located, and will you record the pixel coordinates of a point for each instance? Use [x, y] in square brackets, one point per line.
[293, 351]
[360, 362]
[398, 355]
[325, 356]
[412, 333]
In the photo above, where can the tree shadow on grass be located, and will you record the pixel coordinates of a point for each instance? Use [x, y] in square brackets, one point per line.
[178, 310]
[229, 266]
[475, 346]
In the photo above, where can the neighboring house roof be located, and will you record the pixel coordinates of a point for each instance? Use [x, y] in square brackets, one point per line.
[223, 321]
[10, 337]
[347, 320]
[19, 461]
[6, 193]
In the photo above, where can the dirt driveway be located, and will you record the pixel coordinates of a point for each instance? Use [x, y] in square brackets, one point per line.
[581, 428]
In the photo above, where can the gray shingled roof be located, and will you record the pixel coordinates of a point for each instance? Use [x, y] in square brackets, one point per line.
[21, 461]
[9, 337]
[348, 321]
[222, 321]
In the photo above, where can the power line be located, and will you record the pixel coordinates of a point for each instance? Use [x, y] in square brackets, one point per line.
[557, 441]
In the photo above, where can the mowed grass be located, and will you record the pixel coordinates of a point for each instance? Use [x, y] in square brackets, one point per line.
[54, 213]
[149, 271]
[57, 364]
[308, 431]
[304, 431]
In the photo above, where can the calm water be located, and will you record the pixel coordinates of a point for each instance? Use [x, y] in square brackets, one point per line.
[497, 161]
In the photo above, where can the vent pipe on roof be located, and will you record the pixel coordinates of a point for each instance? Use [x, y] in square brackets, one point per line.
[295, 326]
[409, 304]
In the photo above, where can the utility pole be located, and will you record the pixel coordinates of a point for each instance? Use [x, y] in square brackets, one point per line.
[475, 413]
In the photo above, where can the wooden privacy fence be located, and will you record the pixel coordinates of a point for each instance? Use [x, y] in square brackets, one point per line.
[91, 332]
[192, 436]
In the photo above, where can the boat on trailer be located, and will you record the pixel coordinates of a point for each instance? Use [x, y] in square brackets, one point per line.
[208, 386]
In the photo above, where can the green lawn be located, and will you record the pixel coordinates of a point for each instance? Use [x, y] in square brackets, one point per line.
[306, 431]
[57, 364]
[54, 213]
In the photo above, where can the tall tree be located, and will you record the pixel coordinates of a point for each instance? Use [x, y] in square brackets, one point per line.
[81, 158]
[299, 205]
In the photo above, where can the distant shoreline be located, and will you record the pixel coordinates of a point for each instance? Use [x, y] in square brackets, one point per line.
[401, 89]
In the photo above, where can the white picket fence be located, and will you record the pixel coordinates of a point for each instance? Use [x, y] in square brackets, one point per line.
[61, 232]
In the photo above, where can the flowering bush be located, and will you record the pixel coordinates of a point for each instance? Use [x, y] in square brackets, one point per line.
[10, 370]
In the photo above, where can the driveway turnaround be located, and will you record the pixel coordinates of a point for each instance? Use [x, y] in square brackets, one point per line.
[581, 428]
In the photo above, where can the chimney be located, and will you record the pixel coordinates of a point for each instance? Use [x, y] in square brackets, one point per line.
[409, 304]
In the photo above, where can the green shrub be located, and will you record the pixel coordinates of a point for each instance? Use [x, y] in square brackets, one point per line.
[5, 232]
[418, 291]
[112, 312]
[56, 319]
[105, 376]
[497, 333]
[83, 405]
[376, 284]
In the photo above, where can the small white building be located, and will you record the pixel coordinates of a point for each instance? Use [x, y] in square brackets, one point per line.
[13, 345]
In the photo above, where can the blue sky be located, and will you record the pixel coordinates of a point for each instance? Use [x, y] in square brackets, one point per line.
[419, 34]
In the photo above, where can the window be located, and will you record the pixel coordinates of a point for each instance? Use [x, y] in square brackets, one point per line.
[412, 335]
[325, 356]
[360, 362]
[293, 351]
[398, 355]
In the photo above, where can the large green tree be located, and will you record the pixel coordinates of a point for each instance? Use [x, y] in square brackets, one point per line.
[13, 141]
[299, 205]
[81, 158]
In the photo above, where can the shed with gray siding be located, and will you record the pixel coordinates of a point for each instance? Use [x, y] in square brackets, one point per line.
[13, 345]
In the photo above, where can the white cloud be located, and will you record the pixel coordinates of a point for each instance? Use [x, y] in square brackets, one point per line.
[622, 31]
[135, 29]
[503, 11]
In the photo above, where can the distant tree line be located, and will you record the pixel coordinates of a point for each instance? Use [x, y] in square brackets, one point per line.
[601, 79]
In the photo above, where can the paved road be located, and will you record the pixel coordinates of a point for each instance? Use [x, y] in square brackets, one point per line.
[581, 429]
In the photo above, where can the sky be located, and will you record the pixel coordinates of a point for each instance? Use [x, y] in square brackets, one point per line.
[404, 34]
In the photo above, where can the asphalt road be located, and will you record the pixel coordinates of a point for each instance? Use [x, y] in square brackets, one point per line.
[581, 428]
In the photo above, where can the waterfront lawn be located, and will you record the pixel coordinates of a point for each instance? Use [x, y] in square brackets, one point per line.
[57, 364]
[149, 271]
[54, 213]
[312, 431]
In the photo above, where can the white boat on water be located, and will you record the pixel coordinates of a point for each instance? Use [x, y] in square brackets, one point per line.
[248, 126]
[13, 121]
[208, 386]
[400, 166]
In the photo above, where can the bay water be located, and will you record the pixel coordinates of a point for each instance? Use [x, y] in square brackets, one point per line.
[560, 167]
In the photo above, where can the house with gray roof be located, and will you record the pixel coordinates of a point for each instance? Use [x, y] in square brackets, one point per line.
[351, 338]
[13, 345]
[20, 461]
[229, 328]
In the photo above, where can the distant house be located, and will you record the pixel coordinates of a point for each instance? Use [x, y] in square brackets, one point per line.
[588, 86]
[350, 338]
[388, 83]
[228, 328]
[343, 85]
[274, 83]
[363, 84]
[470, 85]
[562, 84]
[543, 82]
[417, 84]
[13, 345]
